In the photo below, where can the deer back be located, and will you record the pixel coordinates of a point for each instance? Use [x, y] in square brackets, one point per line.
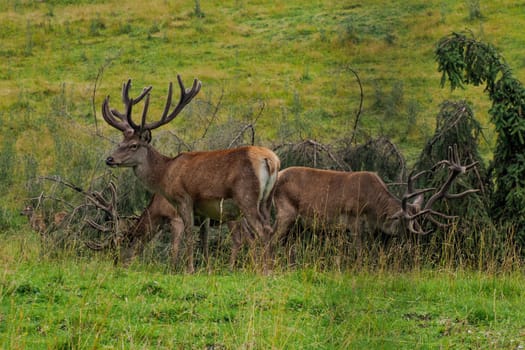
[335, 198]
[220, 174]
[326, 191]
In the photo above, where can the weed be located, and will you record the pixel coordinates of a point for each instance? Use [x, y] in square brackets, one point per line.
[474, 10]
[29, 43]
[96, 25]
[197, 11]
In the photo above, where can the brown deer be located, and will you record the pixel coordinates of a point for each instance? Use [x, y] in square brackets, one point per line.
[347, 199]
[134, 235]
[36, 220]
[200, 181]
[59, 218]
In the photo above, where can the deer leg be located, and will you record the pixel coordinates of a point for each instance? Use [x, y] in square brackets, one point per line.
[263, 234]
[177, 231]
[186, 212]
[283, 237]
[240, 234]
[285, 217]
[236, 235]
[203, 236]
[355, 225]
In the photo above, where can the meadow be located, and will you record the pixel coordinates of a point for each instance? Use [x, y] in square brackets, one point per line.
[286, 68]
[71, 302]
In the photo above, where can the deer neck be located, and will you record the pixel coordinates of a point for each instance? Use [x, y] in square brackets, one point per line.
[152, 169]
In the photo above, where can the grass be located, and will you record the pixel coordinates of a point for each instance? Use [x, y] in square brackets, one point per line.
[68, 301]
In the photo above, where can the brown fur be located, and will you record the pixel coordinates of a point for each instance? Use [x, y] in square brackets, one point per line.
[59, 217]
[334, 198]
[160, 211]
[36, 220]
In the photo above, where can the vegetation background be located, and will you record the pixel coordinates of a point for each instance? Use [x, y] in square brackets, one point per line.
[293, 56]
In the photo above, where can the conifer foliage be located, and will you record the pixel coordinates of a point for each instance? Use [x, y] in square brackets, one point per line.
[463, 60]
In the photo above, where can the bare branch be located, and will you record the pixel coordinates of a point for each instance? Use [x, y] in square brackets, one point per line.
[214, 114]
[358, 115]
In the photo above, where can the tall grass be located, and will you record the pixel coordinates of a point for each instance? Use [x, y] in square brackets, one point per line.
[72, 301]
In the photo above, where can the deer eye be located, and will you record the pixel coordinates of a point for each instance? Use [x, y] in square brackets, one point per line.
[133, 147]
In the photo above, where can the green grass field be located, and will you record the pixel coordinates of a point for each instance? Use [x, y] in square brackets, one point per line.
[84, 303]
[295, 58]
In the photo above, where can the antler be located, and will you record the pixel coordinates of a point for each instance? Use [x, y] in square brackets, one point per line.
[123, 121]
[108, 206]
[455, 169]
[119, 120]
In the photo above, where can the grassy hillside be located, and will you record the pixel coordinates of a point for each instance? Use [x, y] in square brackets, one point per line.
[294, 56]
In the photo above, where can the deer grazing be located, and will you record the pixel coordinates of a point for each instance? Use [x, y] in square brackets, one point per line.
[206, 182]
[347, 199]
[132, 235]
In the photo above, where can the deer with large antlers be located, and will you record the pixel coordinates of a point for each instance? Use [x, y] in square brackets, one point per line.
[210, 183]
[347, 199]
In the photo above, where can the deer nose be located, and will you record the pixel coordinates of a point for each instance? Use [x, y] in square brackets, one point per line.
[110, 161]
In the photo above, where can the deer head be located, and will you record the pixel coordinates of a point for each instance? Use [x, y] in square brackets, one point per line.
[138, 136]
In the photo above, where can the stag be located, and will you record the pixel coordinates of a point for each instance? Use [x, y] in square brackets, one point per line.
[347, 199]
[196, 181]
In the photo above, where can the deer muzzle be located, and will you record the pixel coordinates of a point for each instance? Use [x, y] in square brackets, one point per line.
[110, 161]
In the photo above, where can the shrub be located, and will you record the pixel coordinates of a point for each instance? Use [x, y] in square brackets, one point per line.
[464, 60]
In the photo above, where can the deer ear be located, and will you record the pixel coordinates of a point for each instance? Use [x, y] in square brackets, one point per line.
[146, 136]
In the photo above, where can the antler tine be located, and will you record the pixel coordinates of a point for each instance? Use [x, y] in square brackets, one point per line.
[411, 220]
[113, 193]
[123, 121]
[411, 178]
[97, 226]
[129, 102]
[100, 202]
[455, 169]
[409, 196]
[416, 231]
[170, 97]
[411, 193]
[144, 113]
[109, 116]
[97, 246]
[100, 245]
[186, 95]
[439, 223]
[462, 194]
[125, 93]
